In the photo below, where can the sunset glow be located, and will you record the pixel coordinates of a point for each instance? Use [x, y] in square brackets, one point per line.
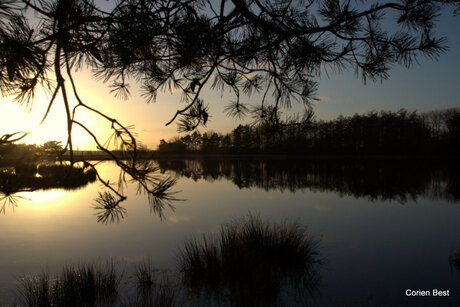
[231, 153]
[53, 128]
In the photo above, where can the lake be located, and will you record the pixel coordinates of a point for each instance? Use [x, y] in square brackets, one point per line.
[385, 227]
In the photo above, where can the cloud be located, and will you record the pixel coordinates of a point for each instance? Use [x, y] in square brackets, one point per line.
[321, 208]
[323, 98]
[177, 219]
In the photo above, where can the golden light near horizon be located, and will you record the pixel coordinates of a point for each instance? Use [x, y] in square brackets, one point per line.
[19, 118]
[148, 120]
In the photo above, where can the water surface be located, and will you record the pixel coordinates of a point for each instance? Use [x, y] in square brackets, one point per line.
[384, 226]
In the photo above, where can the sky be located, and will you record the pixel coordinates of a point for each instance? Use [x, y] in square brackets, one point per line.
[428, 86]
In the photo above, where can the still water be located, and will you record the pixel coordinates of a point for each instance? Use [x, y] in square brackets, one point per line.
[384, 226]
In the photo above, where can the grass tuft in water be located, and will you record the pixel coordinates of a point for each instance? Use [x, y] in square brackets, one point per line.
[35, 291]
[153, 290]
[250, 260]
[145, 277]
[82, 285]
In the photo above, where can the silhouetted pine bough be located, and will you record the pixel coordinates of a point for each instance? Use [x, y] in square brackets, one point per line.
[250, 262]
[398, 179]
[82, 285]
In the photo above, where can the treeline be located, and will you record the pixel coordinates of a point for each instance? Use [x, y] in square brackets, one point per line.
[26, 153]
[374, 133]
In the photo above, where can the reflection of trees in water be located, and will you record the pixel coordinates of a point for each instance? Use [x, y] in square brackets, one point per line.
[30, 177]
[375, 179]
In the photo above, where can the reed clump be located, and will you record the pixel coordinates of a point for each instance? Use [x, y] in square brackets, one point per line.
[250, 260]
[82, 285]
[153, 288]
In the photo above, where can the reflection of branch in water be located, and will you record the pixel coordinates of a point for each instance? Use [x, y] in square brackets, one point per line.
[10, 200]
[108, 209]
[149, 182]
[160, 197]
[155, 185]
[157, 189]
[145, 173]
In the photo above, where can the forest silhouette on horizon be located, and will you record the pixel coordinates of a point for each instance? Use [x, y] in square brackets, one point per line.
[373, 133]
[383, 133]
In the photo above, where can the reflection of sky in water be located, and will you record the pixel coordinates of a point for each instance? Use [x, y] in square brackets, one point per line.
[373, 250]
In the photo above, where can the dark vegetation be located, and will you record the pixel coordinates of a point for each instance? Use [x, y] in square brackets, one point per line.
[27, 177]
[13, 153]
[249, 261]
[249, 264]
[374, 133]
[399, 179]
[30, 177]
[95, 284]
[26, 168]
[154, 288]
[76, 286]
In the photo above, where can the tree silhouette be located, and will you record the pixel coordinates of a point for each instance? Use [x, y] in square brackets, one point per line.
[401, 133]
[274, 48]
[53, 149]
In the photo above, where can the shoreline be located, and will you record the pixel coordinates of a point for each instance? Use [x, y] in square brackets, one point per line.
[101, 156]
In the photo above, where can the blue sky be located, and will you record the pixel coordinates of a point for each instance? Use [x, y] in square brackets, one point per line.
[430, 85]
[426, 86]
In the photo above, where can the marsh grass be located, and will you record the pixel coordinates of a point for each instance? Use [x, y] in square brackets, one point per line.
[250, 260]
[153, 288]
[145, 276]
[82, 285]
[249, 263]
[35, 290]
